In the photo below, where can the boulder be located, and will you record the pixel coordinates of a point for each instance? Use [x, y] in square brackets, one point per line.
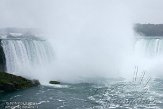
[54, 82]
[10, 82]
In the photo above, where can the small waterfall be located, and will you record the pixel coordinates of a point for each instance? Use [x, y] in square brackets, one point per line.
[149, 46]
[24, 55]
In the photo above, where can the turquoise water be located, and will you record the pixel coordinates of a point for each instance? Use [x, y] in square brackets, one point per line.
[104, 95]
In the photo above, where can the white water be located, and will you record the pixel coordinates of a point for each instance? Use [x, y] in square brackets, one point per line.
[92, 39]
[35, 59]
[148, 55]
[24, 56]
[150, 47]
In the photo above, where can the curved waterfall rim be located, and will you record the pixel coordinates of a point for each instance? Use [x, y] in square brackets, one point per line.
[149, 37]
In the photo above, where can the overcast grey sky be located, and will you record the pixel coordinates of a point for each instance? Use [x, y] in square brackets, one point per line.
[146, 11]
[40, 13]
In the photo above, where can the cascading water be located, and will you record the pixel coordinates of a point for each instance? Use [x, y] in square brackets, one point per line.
[149, 46]
[148, 55]
[24, 55]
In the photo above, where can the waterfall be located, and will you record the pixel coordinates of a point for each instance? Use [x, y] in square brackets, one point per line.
[148, 55]
[24, 55]
[149, 46]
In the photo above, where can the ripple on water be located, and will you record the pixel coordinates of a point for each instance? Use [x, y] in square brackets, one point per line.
[89, 96]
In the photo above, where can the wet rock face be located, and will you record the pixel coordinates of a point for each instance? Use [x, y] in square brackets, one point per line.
[7, 87]
[10, 82]
[35, 82]
[2, 59]
[54, 82]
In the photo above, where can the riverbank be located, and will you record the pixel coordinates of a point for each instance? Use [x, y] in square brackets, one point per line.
[10, 82]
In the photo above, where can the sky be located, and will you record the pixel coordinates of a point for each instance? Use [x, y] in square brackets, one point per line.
[41, 13]
[146, 11]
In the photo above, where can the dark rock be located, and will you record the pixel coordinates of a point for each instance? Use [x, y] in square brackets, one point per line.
[2, 59]
[6, 87]
[10, 82]
[54, 82]
[35, 82]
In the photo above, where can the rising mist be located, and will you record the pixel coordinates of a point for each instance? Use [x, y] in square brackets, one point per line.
[91, 38]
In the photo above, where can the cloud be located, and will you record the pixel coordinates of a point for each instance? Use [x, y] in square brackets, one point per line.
[40, 13]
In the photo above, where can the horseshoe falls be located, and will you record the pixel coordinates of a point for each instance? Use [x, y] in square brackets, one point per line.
[23, 56]
[86, 54]
[149, 47]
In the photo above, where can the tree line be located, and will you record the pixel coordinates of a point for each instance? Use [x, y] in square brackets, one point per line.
[149, 29]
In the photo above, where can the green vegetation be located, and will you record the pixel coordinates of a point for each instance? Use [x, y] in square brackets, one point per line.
[10, 82]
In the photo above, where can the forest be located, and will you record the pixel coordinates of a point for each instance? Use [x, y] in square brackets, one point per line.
[149, 29]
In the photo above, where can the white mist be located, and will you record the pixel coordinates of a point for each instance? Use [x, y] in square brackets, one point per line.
[91, 39]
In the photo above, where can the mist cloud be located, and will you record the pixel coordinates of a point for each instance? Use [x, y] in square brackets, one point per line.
[90, 37]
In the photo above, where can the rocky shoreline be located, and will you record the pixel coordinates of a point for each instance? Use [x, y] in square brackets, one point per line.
[10, 82]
